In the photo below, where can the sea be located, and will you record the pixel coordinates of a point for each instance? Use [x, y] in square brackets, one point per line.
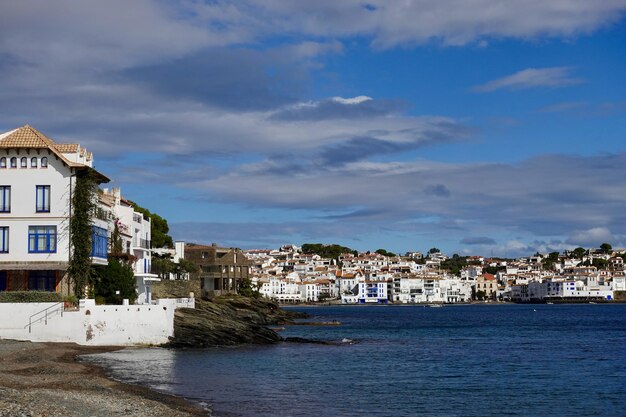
[465, 360]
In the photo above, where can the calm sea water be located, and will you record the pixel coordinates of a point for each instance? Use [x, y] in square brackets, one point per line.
[474, 360]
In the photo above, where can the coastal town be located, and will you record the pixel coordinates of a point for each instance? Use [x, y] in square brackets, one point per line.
[289, 274]
[38, 251]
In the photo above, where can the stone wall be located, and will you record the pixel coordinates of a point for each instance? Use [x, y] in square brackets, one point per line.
[175, 288]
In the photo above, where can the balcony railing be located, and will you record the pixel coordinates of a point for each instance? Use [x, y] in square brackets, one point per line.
[137, 218]
[101, 214]
[141, 243]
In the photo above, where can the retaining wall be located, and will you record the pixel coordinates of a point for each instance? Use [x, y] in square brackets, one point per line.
[117, 325]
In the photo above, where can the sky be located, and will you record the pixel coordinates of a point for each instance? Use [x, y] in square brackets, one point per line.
[475, 126]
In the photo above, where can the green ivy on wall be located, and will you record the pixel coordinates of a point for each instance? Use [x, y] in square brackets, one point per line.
[84, 203]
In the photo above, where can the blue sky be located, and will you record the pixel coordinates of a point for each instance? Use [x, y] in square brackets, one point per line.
[467, 125]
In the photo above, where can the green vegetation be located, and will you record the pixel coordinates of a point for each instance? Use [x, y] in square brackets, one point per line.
[323, 297]
[115, 282]
[327, 251]
[553, 258]
[246, 289]
[30, 297]
[159, 228]
[84, 204]
[164, 265]
[606, 248]
[494, 269]
[454, 264]
[433, 250]
[385, 253]
[579, 252]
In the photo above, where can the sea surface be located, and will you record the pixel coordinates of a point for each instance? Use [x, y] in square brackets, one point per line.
[470, 360]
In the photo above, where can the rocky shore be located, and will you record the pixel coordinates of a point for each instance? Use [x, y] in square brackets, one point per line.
[228, 321]
[46, 380]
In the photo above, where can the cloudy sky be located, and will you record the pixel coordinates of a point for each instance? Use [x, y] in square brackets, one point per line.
[477, 126]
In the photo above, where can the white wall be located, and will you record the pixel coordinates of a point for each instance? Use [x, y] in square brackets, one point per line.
[23, 206]
[93, 325]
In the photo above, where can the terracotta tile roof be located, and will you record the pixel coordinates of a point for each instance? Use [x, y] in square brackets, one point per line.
[29, 137]
[67, 147]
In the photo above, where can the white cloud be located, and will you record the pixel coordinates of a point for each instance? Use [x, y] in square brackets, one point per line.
[531, 78]
[353, 100]
[592, 237]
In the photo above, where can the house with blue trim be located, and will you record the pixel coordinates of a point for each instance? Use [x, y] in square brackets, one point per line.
[37, 177]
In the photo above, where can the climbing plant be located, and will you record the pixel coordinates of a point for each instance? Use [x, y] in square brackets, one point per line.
[83, 205]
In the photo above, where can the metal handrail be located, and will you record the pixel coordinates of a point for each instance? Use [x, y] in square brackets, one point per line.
[45, 317]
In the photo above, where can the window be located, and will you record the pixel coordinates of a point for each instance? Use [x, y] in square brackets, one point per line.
[4, 239]
[42, 239]
[99, 242]
[14, 162]
[44, 162]
[5, 198]
[24, 162]
[33, 162]
[42, 280]
[3, 162]
[43, 199]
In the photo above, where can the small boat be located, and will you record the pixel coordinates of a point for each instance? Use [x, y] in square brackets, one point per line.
[434, 305]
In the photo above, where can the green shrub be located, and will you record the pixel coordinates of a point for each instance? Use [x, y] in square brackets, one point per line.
[116, 282]
[71, 299]
[30, 297]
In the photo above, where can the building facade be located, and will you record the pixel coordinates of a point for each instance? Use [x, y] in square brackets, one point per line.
[221, 269]
[37, 179]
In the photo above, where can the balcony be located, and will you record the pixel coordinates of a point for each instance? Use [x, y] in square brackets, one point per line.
[141, 243]
[137, 218]
[101, 214]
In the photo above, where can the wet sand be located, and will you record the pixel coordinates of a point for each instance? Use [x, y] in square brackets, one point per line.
[46, 380]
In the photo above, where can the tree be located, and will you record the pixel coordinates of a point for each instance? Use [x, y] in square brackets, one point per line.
[159, 228]
[493, 270]
[454, 264]
[579, 252]
[600, 263]
[553, 257]
[246, 288]
[327, 251]
[481, 295]
[116, 282]
[434, 250]
[606, 248]
[385, 253]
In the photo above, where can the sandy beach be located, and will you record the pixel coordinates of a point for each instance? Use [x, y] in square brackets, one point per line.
[46, 380]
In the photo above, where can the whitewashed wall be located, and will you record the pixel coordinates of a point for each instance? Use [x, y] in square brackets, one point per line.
[23, 206]
[93, 325]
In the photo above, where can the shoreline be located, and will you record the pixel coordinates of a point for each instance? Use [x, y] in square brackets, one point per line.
[473, 303]
[49, 379]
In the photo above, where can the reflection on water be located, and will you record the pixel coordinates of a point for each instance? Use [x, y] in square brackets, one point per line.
[453, 361]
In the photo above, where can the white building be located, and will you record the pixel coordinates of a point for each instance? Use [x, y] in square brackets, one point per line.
[281, 291]
[37, 178]
[372, 292]
[134, 229]
[430, 290]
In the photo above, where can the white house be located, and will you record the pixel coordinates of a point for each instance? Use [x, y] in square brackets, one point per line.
[134, 229]
[37, 179]
[372, 292]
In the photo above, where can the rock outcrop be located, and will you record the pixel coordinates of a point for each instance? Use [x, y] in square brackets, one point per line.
[228, 321]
